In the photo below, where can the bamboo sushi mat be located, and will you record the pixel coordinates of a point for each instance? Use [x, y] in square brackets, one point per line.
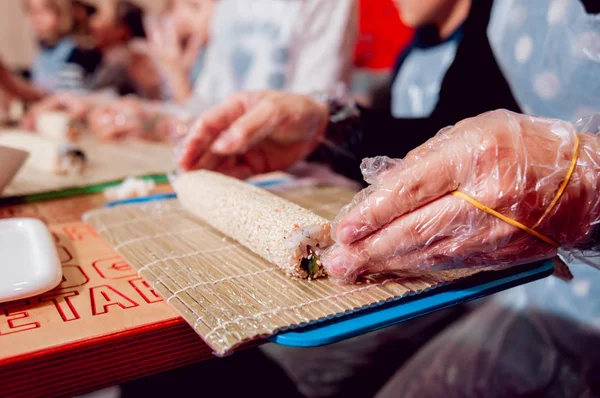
[107, 162]
[228, 294]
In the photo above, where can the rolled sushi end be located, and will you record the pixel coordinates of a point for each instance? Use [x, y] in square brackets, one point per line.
[309, 246]
[312, 266]
[70, 161]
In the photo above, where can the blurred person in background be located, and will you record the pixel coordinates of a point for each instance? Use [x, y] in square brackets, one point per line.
[82, 13]
[62, 64]
[449, 54]
[300, 46]
[470, 71]
[178, 43]
[15, 86]
[117, 30]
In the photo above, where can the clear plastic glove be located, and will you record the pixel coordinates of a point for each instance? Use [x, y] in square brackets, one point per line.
[129, 118]
[255, 132]
[512, 163]
[76, 106]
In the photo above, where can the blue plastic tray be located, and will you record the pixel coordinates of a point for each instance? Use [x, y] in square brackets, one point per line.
[377, 317]
[403, 309]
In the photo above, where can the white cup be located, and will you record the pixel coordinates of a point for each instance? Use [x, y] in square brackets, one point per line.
[53, 125]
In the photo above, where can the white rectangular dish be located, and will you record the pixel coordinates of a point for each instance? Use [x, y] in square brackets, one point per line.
[29, 263]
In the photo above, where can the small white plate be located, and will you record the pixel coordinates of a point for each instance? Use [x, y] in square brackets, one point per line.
[29, 263]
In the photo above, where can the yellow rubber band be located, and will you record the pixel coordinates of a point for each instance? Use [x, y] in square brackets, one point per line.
[564, 184]
[507, 220]
[517, 224]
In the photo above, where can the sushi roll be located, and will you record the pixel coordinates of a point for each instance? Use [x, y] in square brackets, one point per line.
[281, 232]
[70, 160]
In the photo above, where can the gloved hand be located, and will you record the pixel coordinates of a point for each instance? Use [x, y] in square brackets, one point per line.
[255, 132]
[407, 219]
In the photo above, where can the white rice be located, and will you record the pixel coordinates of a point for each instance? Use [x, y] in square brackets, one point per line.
[274, 228]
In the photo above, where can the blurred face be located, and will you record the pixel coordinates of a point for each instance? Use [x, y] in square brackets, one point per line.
[105, 29]
[81, 17]
[417, 13]
[192, 17]
[44, 19]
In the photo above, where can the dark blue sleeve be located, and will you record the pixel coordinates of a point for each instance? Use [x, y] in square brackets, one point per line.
[591, 6]
[88, 60]
[474, 84]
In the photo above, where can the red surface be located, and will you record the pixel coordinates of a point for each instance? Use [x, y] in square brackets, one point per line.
[92, 364]
[89, 365]
[382, 35]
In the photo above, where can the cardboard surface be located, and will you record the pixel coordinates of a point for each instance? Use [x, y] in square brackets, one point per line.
[100, 295]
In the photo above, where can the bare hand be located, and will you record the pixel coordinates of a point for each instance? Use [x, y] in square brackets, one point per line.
[255, 132]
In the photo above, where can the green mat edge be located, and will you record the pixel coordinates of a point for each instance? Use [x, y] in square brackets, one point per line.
[157, 178]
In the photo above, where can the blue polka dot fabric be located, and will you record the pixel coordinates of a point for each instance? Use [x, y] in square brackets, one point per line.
[549, 51]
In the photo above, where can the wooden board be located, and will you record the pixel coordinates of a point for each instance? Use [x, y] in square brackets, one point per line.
[107, 162]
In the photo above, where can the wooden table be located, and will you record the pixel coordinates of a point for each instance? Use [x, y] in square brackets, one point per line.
[102, 326]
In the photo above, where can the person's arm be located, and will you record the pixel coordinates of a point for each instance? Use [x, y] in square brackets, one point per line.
[179, 85]
[322, 58]
[19, 87]
[272, 130]
[144, 77]
[355, 133]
